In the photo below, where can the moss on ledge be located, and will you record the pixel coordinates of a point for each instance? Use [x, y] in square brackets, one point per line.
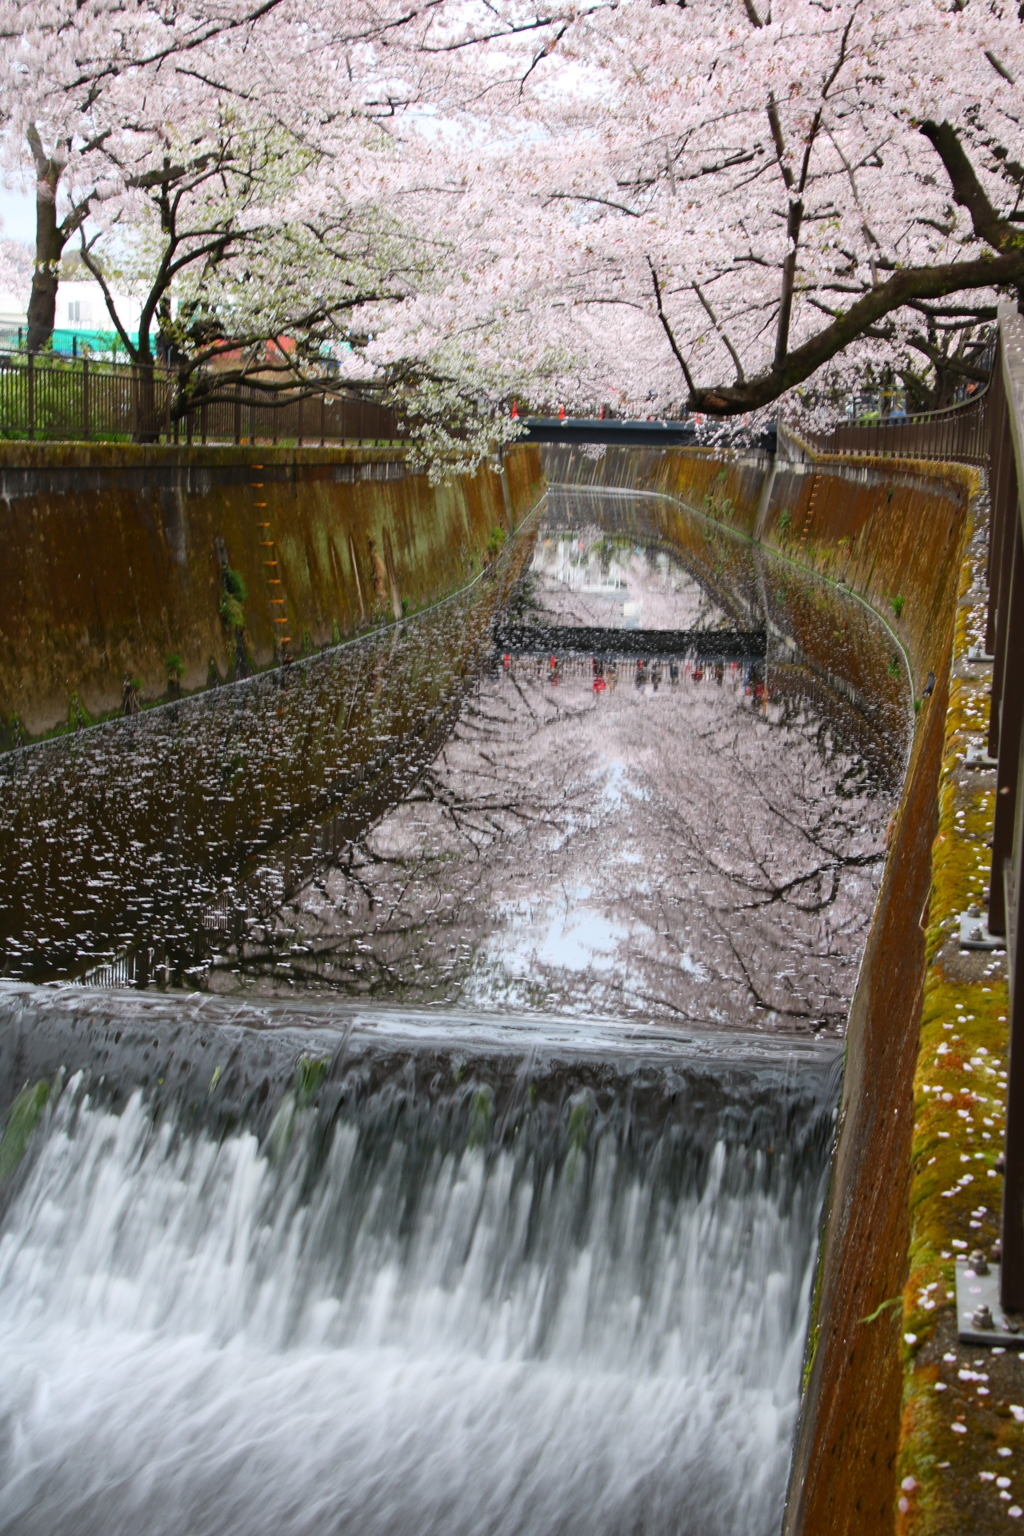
[957, 1422]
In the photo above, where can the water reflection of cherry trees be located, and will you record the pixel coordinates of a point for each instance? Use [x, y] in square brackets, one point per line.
[696, 848]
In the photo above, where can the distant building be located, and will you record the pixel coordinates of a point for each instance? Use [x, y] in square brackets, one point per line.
[81, 307]
[82, 322]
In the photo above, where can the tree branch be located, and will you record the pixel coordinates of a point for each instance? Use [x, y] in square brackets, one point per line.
[740, 377]
[680, 359]
[985, 271]
[967, 189]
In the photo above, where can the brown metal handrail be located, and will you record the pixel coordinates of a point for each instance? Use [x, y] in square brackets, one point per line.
[957, 432]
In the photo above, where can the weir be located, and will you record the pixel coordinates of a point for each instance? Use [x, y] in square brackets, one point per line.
[421, 1064]
[555, 1289]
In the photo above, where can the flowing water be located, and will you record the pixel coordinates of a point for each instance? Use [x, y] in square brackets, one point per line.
[505, 1220]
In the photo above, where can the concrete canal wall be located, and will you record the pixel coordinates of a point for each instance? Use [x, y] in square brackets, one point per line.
[114, 560]
[895, 537]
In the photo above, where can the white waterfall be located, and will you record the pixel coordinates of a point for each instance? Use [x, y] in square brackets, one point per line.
[199, 1337]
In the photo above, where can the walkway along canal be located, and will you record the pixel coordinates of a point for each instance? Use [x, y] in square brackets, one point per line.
[431, 1050]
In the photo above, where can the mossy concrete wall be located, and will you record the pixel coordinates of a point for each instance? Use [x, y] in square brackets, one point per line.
[960, 1466]
[113, 559]
[894, 535]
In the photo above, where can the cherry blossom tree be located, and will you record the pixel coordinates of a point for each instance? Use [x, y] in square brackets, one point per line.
[73, 75]
[15, 267]
[96, 92]
[238, 164]
[712, 204]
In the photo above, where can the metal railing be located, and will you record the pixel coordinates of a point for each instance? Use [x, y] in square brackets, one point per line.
[957, 432]
[49, 399]
[1004, 641]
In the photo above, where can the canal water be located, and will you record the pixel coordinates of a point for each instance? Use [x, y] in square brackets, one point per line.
[469, 1073]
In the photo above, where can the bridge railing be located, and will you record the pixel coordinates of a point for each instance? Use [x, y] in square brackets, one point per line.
[956, 432]
[54, 399]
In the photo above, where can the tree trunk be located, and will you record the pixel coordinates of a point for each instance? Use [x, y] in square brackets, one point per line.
[50, 240]
[147, 424]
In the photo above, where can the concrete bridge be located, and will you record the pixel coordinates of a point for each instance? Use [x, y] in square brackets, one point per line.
[648, 433]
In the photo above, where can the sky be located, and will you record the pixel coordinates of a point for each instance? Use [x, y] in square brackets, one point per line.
[17, 216]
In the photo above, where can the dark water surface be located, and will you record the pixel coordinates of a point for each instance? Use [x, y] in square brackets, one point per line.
[422, 817]
[505, 1221]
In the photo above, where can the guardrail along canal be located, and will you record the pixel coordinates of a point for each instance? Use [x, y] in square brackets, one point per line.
[450, 1156]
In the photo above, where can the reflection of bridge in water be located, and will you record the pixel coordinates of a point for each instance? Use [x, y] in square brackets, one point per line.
[699, 644]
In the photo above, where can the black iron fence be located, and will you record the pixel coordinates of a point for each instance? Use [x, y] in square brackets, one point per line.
[52, 399]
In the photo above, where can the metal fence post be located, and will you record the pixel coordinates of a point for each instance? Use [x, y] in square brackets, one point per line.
[1003, 491]
[1005, 409]
[999, 455]
[1008, 702]
[1011, 1274]
[31, 381]
[1007, 865]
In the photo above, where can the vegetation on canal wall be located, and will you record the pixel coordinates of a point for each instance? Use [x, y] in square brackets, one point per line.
[145, 572]
[958, 1430]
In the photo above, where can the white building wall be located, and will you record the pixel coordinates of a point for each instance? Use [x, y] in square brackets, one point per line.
[82, 307]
